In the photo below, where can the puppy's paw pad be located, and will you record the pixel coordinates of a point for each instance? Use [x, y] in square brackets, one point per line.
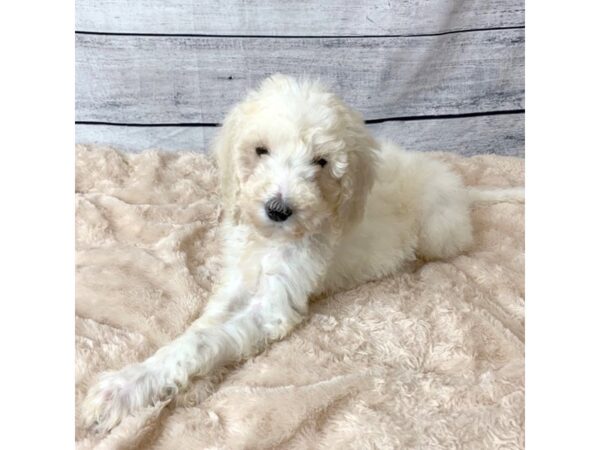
[107, 402]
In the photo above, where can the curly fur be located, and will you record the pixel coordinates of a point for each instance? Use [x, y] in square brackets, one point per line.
[366, 212]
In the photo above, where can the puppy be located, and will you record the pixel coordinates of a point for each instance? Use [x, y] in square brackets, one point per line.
[313, 204]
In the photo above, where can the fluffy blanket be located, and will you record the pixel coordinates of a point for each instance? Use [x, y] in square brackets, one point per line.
[432, 358]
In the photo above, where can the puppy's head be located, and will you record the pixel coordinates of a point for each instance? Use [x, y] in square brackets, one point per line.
[294, 160]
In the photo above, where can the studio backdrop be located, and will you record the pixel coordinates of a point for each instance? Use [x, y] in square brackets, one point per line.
[429, 74]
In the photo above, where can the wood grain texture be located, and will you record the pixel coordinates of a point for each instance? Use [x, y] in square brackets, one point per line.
[296, 17]
[177, 79]
[502, 134]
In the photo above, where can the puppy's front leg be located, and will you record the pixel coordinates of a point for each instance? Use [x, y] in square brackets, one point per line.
[270, 314]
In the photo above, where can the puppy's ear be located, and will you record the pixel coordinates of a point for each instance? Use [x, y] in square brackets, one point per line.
[357, 181]
[224, 148]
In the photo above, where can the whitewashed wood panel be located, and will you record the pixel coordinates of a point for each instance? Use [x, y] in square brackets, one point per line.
[295, 17]
[180, 79]
[500, 134]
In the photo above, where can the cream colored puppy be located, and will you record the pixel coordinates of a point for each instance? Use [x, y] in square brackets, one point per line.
[313, 204]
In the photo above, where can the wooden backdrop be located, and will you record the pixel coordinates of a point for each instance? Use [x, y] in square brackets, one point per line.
[429, 74]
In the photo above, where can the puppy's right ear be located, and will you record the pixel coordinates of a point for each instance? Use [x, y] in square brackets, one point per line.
[224, 149]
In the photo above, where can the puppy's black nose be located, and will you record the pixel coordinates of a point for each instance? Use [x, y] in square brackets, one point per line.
[277, 210]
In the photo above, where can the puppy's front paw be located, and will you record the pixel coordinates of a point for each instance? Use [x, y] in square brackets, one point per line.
[114, 396]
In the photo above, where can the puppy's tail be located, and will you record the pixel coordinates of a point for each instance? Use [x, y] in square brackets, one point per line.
[510, 195]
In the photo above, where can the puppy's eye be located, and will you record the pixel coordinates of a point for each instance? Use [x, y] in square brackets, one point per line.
[262, 151]
[320, 161]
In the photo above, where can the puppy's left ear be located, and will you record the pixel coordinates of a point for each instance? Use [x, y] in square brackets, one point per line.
[357, 181]
[224, 149]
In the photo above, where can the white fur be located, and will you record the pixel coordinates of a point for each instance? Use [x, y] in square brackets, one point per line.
[368, 211]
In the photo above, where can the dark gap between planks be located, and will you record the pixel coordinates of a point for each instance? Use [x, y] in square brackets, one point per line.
[265, 36]
[369, 121]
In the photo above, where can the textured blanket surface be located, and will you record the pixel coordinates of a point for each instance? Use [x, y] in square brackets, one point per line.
[431, 358]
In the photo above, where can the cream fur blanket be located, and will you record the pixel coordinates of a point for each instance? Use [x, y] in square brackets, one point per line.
[433, 358]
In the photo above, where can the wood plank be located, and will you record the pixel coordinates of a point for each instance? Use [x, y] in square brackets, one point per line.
[295, 17]
[178, 79]
[500, 134]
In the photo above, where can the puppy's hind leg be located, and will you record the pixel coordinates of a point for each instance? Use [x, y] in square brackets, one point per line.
[445, 228]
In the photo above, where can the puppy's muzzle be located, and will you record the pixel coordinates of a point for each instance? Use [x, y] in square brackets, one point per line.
[277, 210]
